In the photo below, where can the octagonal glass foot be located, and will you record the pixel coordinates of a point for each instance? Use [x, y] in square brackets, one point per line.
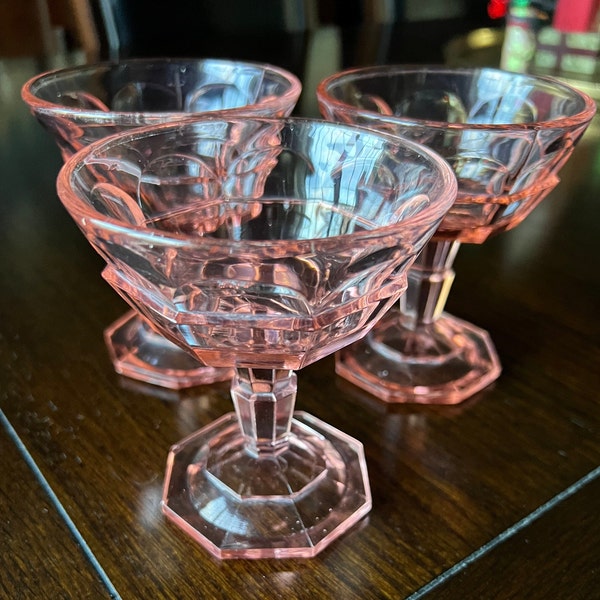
[137, 351]
[443, 362]
[289, 503]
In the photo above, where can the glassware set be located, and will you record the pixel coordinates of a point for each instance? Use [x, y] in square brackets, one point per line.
[84, 104]
[250, 244]
[260, 245]
[506, 136]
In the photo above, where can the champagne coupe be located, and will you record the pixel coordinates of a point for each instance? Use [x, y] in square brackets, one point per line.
[83, 104]
[506, 136]
[260, 245]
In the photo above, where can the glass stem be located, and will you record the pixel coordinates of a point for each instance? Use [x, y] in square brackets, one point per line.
[429, 282]
[264, 403]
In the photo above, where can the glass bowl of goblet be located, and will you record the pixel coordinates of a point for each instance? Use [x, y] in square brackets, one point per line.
[83, 104]
[506, 136]
[260, 245]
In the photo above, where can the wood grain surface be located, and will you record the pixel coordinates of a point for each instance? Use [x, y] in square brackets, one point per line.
[40, 557]
[454, 488]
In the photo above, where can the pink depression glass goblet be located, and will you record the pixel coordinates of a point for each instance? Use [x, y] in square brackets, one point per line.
[260, 245]
[83, 104]
[506, 136]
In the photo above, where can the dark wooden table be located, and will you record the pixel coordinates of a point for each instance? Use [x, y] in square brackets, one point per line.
[495, 498]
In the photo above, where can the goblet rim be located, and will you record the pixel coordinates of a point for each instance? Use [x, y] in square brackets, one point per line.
[325, 98]
[141, 118]
[75, 205]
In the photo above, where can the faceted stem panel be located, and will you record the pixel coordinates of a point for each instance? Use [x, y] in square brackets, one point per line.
[264, 402]
[429, 282]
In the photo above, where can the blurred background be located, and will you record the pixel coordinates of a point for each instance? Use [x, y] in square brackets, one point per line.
[311, 38]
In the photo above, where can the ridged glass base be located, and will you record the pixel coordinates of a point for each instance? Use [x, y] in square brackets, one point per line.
[291, 502]
[137, 351]
[444, 362]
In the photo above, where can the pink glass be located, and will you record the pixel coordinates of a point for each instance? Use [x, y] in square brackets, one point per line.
[260, 245]
[83, 104]
[506, 137]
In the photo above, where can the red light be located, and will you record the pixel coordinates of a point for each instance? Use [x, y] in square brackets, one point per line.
[497, 9]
